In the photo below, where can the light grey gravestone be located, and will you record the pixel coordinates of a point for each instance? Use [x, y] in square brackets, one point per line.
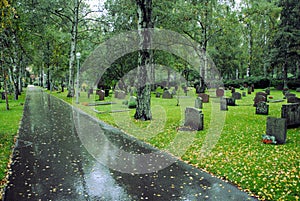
[198, 103]
[291, 112]
[120, 94]
[223, 104]
[167, 95]
[193, 118]
[262, 108]
[277, 127]
[237, 95]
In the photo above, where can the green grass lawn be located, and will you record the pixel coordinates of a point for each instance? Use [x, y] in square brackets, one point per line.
[9, 121]
[270, 172]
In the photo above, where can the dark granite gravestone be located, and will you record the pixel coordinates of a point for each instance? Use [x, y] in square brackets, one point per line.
[223, 104]
[132, 102]
[262, 108]
[230, 101]
[205, 97]
[157, 95]
[260, 97]
[288, 95]
[167, 95]
[293, 99]
[252, 86]
[198, 103]
[3, 95]
[220, 92]
[291, 112]
[237, 95]
[244, 94]
[90, 91]
[298, 90]
[277, 127]
[193, 118]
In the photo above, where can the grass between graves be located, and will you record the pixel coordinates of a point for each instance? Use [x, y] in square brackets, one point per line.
[9, 121]
[229, 147]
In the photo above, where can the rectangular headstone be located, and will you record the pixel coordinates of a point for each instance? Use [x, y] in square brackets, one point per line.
[193, 118]
[291, 112]
[157, 95]
[198, 103]
[237, 95]
[293, 99]
[262, 108]
[230, 101]
[244, 94]
[277, 127]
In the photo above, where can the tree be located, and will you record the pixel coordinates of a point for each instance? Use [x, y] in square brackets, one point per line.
[144, 12]
[286, 51]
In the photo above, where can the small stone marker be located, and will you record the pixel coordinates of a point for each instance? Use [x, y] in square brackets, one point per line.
[237, 95]
[244, 94]
[249, 90]
[193, 118]
[288, 95]
[223, 104]
[205, 97]
[267, 91]
[198, 103]
[3, 95]
[262, 108]
[157, 95]
[132, 102]
[167, 95]
[220, 92]
[291, 112]
[232, 90]
[277, 127]
[120, 94]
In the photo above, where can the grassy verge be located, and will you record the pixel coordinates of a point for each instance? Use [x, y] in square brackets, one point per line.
[9, 121]
[268, 171]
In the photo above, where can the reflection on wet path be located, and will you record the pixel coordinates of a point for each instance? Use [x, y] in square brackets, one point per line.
[52, 163]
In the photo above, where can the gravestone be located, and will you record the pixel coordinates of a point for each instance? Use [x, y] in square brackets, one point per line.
[132, 102]
[252, 87]
[277, 127]
[120, 94]
[101, 94]
[237, 95]
[157, 95]
[249, 90]
[223, 104]
[288, 95]
[193, 118]
[291, 112]
[90, 91]
[198, 103]
[205, 97]
[244, 94]
[230, 101]
[298, 90]
[293, 99]
[260, 97]
[220, 92]
[3, 95]
[232, 90]
[167, 95]
[173, 92]
[268, 91]
[262, 108]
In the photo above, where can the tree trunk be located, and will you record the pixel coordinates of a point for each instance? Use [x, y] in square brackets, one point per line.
[74, 33]
[144, 11]
[4, 74]
[285, 77]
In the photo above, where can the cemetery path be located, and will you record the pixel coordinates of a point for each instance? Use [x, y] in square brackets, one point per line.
[51, 162]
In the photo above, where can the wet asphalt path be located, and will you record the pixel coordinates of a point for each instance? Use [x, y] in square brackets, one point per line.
[51, 163]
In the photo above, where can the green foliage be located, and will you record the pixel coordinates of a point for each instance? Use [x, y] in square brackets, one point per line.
[10, 120]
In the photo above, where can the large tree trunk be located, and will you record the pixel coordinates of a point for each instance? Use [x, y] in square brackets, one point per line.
[144, 11]
[74, 33]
